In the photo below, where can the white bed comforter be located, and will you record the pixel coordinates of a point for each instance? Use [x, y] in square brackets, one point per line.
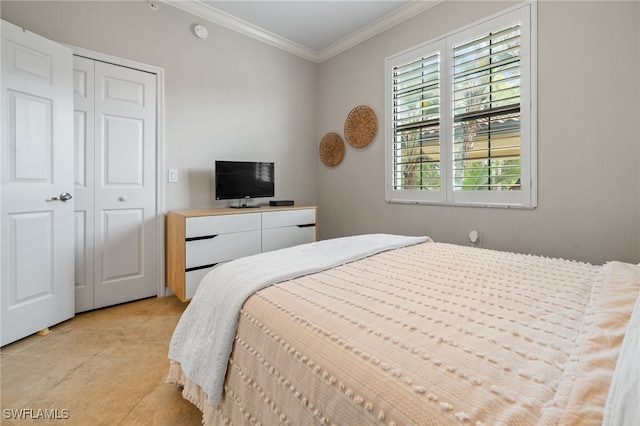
[203, 339]
[623, 401]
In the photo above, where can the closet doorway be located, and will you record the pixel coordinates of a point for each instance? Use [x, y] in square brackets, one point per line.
[115, 192]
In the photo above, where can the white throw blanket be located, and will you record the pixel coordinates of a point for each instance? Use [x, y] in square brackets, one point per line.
[203, 338]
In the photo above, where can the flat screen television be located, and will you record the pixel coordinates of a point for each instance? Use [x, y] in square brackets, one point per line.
[240, 180]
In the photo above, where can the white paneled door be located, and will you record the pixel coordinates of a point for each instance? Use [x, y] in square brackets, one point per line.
[115, 145]
[84, 179]
[37, 183]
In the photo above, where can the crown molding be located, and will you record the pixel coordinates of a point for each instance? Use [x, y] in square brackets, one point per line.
[226, 20]
[400, 15]
[202, 10]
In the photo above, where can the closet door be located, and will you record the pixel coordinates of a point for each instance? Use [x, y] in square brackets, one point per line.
[125, 187]
[84, 159]
[116, 215]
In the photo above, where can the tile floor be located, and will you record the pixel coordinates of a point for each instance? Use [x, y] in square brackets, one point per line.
[104, 367]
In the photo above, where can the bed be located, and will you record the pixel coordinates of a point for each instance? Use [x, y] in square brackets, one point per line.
[395, 330]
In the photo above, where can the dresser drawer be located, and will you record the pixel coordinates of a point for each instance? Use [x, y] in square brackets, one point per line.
[223, 224]
[192, 280]
[278, 219]
[287, 236]
[221, 248]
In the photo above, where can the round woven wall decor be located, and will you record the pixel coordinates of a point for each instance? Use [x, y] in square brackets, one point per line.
[331, 149]
[361, 126]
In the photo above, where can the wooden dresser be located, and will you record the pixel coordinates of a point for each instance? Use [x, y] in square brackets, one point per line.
[197, 240]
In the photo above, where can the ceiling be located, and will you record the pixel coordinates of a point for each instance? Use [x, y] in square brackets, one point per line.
[313, 29]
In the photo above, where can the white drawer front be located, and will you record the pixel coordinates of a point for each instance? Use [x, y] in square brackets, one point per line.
[288, 218]
[221, 248]
[223, 224]
[192, 280]
[277, 238]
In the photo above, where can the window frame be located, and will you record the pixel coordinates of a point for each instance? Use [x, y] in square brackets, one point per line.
[526, 197]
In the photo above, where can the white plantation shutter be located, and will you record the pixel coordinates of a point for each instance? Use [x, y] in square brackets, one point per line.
[486, 112]
[461, 116]
[416, 124]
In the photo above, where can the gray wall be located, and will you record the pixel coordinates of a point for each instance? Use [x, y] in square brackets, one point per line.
[588, 137]
[229, 97]
[234, 97]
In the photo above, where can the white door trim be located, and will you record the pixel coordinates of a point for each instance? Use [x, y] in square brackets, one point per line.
[160, 167]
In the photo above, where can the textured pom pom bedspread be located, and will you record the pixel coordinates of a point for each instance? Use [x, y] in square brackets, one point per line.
[430, 333]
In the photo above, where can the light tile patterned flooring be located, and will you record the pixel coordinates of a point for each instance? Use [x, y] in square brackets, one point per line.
[104, 367]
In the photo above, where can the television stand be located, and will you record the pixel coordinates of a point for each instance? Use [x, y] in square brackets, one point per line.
[242, 204]
[197, 240]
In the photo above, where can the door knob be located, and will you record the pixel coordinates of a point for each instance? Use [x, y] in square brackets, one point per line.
[65, 196]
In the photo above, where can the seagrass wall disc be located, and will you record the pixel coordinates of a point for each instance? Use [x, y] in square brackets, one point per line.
[331, 149]
[360, 126]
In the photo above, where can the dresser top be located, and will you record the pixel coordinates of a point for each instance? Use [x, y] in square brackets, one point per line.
[229, 210]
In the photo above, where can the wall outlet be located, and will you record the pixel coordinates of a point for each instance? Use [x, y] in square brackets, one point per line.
[475, 238]
[173, 175]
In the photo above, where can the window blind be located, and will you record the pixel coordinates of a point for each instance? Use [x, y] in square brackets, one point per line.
[416, 124]
[486, 112]
[461, 116]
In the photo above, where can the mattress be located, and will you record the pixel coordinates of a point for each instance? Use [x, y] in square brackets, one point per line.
[428, 333]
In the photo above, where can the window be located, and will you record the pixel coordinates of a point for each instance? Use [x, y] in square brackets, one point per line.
[461, 116]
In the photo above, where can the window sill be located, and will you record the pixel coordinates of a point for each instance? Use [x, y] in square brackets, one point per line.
[488, 205]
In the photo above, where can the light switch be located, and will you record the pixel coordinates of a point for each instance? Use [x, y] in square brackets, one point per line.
[173, 175]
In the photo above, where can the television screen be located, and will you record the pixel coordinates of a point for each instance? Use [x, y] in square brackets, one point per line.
[243, 179]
